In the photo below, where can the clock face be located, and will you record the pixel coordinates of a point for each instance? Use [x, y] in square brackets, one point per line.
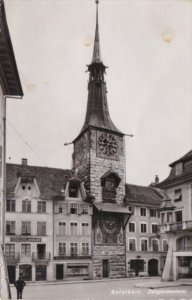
[107, 144]
[110, 225]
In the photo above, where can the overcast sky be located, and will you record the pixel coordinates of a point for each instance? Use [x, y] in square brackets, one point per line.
[147, 46]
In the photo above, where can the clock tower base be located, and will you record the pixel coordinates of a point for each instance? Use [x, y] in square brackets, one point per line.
[109, 262]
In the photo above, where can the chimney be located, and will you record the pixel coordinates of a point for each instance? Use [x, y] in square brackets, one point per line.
[156, 179]
[24, 161]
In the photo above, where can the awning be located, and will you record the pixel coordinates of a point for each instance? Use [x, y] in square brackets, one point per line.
[112, 207]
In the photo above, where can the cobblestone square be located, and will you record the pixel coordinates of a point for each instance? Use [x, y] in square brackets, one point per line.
[125, 289]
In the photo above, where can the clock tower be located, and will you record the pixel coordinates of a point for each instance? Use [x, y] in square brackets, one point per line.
[99, 160]
[99, 150]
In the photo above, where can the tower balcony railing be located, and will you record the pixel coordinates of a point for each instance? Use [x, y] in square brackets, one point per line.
[174, 227]
[12, 257]
[41, 256]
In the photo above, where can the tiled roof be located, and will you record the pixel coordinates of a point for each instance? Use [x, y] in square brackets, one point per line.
[186, 157]
[50, 180]
[112, 207]
[147, 195]
[167, 205]
[8, 68]
[185, 175]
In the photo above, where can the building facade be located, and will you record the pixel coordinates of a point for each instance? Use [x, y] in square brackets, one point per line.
[176, 219]
[53, 227]
[29, 223]
[72, 233]
[85, 222]
[146, 248]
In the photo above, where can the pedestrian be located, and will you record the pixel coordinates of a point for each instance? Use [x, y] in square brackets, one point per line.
[19, 284]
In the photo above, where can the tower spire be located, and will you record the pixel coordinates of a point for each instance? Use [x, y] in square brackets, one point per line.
[96, 50]
[97, 114]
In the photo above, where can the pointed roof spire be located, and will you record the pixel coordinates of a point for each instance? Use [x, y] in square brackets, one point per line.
[97, 114]
[96, 50]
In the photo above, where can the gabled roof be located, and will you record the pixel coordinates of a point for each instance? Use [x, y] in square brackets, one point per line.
[184, 158]
[75, 179]
[144, 195]
[167, 205]
[51, 181]
[184, 176]
[8, 68]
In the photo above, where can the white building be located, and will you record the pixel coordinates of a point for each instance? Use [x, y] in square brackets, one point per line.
[176, 219]
[29, 219]
[146, 248]
[73, 232]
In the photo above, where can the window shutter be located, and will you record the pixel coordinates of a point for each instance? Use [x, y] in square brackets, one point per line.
[44, 228]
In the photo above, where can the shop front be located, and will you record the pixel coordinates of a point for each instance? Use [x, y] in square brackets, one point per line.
[25, 271]
[41, 272]
[66, 270]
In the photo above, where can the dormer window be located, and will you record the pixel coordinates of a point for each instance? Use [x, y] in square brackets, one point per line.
[84, 209]
[73, 191]
[73, 208]
[26, 188]
[178, 169]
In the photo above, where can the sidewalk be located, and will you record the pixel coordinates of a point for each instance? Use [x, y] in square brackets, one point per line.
[156, 283]
[36, 283]
[148, 282]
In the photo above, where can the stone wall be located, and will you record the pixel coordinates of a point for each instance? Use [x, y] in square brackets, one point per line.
[99, 166]
[116, 257]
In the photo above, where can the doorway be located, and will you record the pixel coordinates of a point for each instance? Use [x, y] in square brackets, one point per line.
[153, 267]
[41, 272]
[25, 271]
[137, 265]
[41, 251]
[59, 271]
[105, 264]
[11, 273]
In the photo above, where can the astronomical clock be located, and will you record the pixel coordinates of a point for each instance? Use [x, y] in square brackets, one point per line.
[109, 230]
[107, 145]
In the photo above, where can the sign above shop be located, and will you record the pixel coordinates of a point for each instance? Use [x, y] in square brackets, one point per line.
[25, 239]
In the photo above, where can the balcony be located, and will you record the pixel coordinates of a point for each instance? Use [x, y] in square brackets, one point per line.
[44, 257]
[12, 257]
[74, 256]
[175, 227]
